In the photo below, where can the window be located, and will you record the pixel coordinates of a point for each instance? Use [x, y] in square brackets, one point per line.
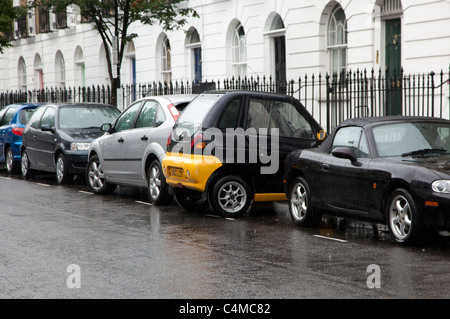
[194, 45]
[48, 118]
[337, 40]
[22, 74]
[36, 118]
[60, 69]
[125, 121]
[239, 52]
[230, 117]
[8, 116]
[166, 61]
[147, 115]
[354, 138]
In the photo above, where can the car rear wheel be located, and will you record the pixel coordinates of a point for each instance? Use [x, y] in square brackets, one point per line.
[301, 211]
[11, 166]
[62, 173]
[158, 190]
[25, 165]
[230, 197]
[404, 221]
[95, 178]
[190, 200]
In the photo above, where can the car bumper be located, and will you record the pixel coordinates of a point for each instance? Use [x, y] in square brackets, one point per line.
[189, 170]
[435, 208]
[76, 161]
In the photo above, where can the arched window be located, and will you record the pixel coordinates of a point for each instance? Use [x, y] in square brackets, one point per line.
[239, 52]
[60, 70]
[166, 61]
[80, 76]
[337, 40]
[22, 74]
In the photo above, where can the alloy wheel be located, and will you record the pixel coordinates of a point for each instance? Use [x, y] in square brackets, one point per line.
[154, 183]
[400, 217]
[232, 196]
[299, 202]
[96, 178]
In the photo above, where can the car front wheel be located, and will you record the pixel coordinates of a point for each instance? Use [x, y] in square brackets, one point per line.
[230, 197]
[95, 178]
[301, 211]
[403, 217]
[62, 173]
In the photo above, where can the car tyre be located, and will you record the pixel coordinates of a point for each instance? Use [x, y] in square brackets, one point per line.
[62, 173]
[95, 178]
[11, 166]
[190, 200]
[25, 166]
[230, 197]
[300, 208]
[404, 222]
[158, 190]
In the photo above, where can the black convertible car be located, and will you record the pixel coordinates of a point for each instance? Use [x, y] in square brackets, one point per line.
[392, 170]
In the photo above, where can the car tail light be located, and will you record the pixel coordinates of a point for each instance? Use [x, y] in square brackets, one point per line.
[198, 142]
[173, 110]
[169, 139]
[18, 131]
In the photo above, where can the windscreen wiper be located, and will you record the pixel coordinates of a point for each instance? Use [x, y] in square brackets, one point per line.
[425, 151]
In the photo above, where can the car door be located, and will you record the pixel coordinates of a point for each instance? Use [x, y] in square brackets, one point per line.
[30, 137]
[112, 145]
[47, 139]
[136, 141]
[5, 118]
[346, 184]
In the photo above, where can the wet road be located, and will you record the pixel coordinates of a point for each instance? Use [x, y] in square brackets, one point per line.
[123, 247]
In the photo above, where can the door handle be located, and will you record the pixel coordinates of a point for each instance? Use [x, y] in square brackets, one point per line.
[120, 140]
[325, 167]
[144, 138]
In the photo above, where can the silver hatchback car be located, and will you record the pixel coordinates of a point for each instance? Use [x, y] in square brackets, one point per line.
[132, 149]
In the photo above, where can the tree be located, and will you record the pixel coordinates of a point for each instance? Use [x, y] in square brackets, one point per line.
[112, 19]
[7, 16]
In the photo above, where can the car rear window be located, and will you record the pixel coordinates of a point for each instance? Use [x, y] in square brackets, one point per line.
[25, 115]
[190, 121]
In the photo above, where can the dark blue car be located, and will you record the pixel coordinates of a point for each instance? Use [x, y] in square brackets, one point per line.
[13, 119]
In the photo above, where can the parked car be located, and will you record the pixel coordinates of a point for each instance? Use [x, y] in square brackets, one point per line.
[58, 136]
[391, 170]
[224, 149]
[131, 151]
[13, 119]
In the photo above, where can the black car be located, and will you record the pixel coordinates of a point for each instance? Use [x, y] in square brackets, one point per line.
[227, 149]
[391, 170]
[58, 136]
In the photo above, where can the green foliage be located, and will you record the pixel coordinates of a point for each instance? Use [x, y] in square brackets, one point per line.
[7, 16]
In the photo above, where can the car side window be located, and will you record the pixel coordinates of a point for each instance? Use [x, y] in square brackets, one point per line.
[36, 118]
[8, 116]
[48, 118]
[160, 116]
[354, 138]
[147, 115]
[125, 121]
[230, 116]
[258, 115]
[289, 121]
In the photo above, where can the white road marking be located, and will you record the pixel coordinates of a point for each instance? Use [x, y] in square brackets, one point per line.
[331, 238]
[144, 203]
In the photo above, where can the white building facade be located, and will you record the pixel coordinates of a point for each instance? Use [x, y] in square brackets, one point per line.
[282, 39]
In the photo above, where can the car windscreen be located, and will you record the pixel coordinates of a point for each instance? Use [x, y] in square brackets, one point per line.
[25, 115]
[190, 121]
[85, 117]
[412, 138]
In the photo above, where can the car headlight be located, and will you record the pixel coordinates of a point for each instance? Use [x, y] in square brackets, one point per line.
[441, 186]
[80, 146]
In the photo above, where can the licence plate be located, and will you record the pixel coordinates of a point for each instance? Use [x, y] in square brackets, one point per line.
[176, 172]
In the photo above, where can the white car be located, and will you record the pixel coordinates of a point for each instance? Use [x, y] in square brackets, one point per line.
[133, 147]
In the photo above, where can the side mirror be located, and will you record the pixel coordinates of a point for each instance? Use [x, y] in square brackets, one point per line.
[47, 128]
[106, 127]
[345, 153]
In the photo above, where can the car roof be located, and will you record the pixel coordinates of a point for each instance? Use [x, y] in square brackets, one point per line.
[79, 104]
[174, 98]
[364, 121]
[247, 92]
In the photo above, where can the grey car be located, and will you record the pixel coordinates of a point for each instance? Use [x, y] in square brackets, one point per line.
[132, 149]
